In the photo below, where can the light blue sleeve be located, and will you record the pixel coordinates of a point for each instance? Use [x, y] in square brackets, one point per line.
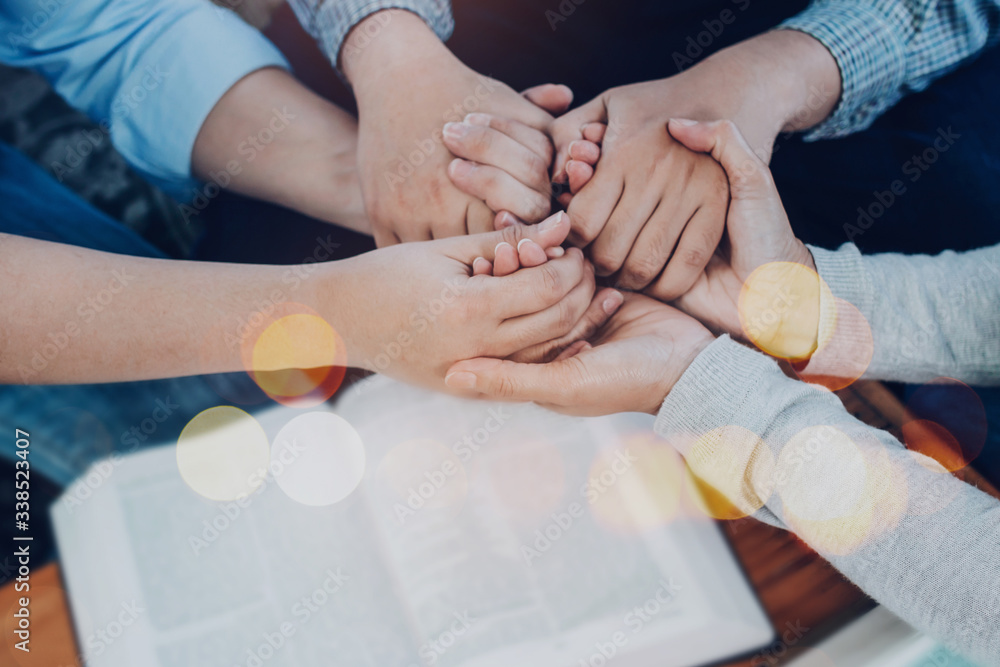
[147, 71]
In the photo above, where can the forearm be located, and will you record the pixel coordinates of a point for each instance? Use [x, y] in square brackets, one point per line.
[74, 315]
[929, 316]
[916, 539]
[779, 81]
[331, 21]
[271, 138]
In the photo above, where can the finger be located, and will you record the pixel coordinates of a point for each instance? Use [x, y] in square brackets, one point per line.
[585, 151]
[573, 350]
[538, 288]
[505, 219]
[579, 174]
[603, 305]
[695, 248]
[651, 250]
[534, 140]
[530, 253]
[617, 238]
[554, 98]
[526, 157]
[513, 381]
[384, 237]
[482, 267]
[500, 190]
[591, 208]
[478, 219]
[569, 128]
[594, 132]
[557, 251]
[749, 177]
[505, 261]
[552, 323]
[549, 233]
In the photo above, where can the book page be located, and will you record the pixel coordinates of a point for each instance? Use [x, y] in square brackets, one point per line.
[265, 581]
[520, 535]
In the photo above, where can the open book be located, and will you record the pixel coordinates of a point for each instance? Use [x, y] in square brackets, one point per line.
[479, 535]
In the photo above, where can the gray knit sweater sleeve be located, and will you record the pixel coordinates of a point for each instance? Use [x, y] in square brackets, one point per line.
[919, 541]
[929, 316]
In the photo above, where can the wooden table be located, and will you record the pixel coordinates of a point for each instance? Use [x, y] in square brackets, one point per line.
[804, 596]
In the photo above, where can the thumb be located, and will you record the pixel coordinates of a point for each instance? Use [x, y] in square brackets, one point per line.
[552, 97]
[569, 128]
[510, 380]
[749, 177]
[549, 233]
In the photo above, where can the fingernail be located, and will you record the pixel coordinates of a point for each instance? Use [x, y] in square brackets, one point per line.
[552, 222]
[557, 251]
[477, 119]
[460, 380]
[684, 121]
[521, 243]
[477, 261]
[455, 130]
[612, 302]
[496, 250]
[459, 167]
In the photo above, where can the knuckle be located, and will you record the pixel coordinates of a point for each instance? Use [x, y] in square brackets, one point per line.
[504, 387]
[536, 168]
[694, 257]
[605, 262]
[551, 279]
[640, 271]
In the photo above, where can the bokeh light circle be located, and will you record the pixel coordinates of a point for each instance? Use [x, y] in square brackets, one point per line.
[318, 459]
[946, 420]
[731, 472]
[294, 355]
[222, 453]
[636, 485]
[779, 310]
[846, 355]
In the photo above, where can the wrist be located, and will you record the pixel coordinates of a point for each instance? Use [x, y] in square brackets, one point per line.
[780, 81]
[385, 42]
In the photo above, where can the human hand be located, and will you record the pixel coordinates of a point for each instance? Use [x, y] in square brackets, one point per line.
[410, 312]
[758, 236]
[407, 85]
[630, 365]
[498, 159]
[653, 211]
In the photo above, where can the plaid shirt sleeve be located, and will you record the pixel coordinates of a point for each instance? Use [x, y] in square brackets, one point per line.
[329, 21]
[887, 49]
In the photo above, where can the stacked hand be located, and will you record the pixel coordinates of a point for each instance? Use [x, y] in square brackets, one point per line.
[633, 361]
